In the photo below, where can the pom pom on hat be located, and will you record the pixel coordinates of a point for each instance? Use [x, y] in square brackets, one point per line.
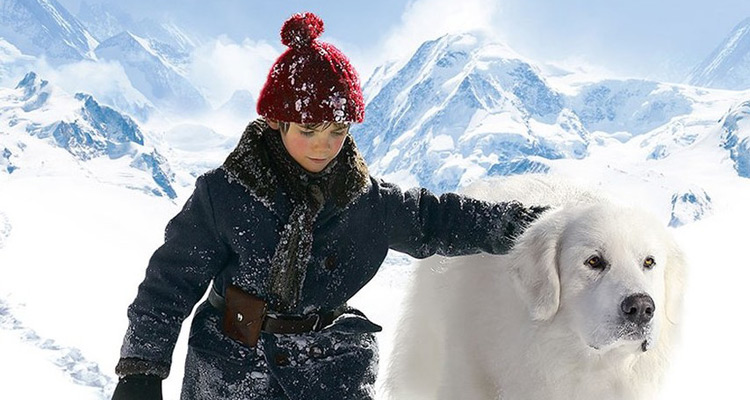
[311, 81]
[301, 29]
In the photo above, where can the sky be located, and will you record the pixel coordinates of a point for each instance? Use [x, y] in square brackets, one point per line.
[659, 40]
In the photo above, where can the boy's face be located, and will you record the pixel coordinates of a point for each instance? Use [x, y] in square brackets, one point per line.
[314, 147]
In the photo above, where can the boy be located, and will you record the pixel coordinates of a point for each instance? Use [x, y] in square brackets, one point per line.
[288, 229]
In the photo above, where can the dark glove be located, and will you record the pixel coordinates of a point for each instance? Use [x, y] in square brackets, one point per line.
[138, 387]
[523, 218]
[533, 212]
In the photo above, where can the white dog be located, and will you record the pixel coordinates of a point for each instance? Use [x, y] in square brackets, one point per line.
[585, 306]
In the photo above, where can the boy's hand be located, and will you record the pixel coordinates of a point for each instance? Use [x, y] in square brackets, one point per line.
[525, 216]
[138, 387]
[533, 212]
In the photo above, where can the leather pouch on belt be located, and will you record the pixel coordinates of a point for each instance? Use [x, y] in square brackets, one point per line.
[243, 316]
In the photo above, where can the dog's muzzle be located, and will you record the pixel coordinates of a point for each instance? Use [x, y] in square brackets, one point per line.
[637, 310]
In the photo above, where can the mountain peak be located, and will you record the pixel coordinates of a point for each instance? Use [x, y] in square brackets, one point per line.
[463, 103]
[35, 91]
[123, 39]
[728, 66]
[483, 45]
[152, 73]
[106, 21]
[82, 127]
[30, 81]
[44, 27]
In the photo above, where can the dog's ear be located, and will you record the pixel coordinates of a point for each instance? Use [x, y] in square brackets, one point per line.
[534, 267]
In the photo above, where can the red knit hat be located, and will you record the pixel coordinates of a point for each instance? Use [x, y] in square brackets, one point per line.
[312, 81]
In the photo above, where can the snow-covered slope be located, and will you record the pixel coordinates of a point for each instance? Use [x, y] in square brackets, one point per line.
[103, 20]
[632, 106]
[45, 28]
[735, 137]
[152, 74]
[40, 125]
[728, 66]
[68, 269]
[690, 206]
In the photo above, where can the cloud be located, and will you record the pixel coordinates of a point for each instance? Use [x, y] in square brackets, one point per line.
[429, 19]
[94, 77]
[222, 66]
[105, 80]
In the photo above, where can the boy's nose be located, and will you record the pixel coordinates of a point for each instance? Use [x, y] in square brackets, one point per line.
[321, 144]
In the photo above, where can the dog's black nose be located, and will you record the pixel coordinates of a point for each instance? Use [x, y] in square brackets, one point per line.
[638, 308]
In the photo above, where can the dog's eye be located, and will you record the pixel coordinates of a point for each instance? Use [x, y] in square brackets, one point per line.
[596, 262]
[649, 262]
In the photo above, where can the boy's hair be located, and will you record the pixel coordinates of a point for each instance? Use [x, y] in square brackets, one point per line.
[284, 125]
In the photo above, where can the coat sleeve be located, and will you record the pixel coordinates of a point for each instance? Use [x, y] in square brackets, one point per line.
[177, 276]
[421, 224]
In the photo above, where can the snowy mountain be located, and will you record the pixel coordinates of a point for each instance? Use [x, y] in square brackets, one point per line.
[689, 206]
[152, 73]
[171, 41]
[103, 21]
[728, 67]
[633, 106]
[42, 121]
[45, 28]
[463, 106]
[735, 137]
[241, 104]
[154, 60]
[107, 20]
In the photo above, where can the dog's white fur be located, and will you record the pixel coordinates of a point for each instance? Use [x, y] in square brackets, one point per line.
[538, 323]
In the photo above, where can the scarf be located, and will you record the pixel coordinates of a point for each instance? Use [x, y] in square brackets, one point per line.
[262, 165]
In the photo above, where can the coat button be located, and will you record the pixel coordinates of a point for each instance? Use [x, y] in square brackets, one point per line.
[315, 352]
[330, 263]
[317, 194]
[281, 359]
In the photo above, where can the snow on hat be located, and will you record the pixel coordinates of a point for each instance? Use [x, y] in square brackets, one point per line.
[312, 81]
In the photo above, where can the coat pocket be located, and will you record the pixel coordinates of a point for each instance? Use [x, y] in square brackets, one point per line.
[331, 364]
[207, 336]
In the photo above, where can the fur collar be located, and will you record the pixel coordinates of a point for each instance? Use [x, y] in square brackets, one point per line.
[251, 164]
[263, 166]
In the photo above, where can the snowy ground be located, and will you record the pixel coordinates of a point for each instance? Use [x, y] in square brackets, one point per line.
[73, 250]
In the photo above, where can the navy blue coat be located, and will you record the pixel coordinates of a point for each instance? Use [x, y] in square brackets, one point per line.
[227, 234]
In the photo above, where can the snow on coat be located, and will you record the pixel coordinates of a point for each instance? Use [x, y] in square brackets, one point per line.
[228, 232]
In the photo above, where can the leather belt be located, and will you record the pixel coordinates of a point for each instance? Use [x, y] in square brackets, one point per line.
[285, 323]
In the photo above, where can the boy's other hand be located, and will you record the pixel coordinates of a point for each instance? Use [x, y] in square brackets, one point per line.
[138, 387]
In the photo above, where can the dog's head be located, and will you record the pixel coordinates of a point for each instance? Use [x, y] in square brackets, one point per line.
[607, 272]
